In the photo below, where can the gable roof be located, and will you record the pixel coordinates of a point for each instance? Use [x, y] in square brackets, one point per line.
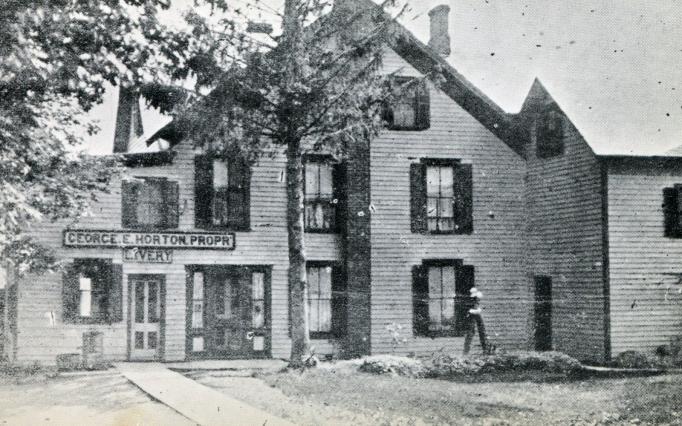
[426, 61]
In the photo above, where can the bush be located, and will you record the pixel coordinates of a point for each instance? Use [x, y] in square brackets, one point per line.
[521, 364]
[393, 365]
[635, 359]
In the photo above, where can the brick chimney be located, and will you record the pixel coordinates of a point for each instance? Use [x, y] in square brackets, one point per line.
[440, 38]
[128, 120]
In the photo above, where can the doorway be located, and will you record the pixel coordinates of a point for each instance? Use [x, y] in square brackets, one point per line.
[543, 313]
[146, 296]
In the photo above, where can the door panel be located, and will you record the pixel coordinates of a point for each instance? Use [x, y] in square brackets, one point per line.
[145, 324]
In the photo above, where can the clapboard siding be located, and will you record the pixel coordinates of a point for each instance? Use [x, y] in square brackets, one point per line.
[265, 244]
[646, 304]
[495, 248]
[565, 228]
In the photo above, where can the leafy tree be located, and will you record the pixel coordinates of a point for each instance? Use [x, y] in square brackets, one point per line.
[55, 58]
[313, 87]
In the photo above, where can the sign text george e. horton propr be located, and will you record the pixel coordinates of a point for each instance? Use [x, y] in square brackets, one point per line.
[160, 240]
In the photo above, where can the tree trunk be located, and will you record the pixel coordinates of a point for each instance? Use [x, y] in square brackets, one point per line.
[298, 291]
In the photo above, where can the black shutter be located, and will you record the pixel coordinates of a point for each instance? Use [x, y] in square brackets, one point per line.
[172, 199]
[70, 294]
[129, 191]
[116, 293]
[420, 300]
[464, 281]
[422, 106]
[463, 185]
[418, 198]
[339, 301]
[239, 177]
[339, 182]
[203, 190]
[671, 212]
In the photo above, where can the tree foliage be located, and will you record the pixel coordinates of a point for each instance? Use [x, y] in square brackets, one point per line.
[56, 58]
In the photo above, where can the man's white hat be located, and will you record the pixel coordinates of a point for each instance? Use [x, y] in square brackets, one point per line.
[475, 293]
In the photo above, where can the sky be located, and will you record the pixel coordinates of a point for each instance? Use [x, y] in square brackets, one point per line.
[614, 66]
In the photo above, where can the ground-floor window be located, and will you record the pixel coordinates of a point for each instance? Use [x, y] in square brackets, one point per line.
[441, 297]
[326, 299]
[91, 291]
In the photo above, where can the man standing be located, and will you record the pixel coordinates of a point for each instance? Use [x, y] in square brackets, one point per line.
[475, 320]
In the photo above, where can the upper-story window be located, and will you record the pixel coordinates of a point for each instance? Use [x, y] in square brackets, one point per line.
[323, 195]
[441, 197]
[672, 211]
[222, 193]
[411, 109]
[149, 203]
[550, 134]
[441, 297]
[92, 292]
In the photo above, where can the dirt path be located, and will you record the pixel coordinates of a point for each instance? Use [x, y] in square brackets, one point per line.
[107, 399]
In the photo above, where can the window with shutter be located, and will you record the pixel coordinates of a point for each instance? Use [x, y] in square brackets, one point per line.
[326, 300]
[550, 134]
[411, 109]
[149, 203]
[441, 297]
[222, 193]
[441, 192]
[672, 211]
[92, 292]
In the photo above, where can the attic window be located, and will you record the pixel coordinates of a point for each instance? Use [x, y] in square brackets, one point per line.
[550, 134]
[410, 110]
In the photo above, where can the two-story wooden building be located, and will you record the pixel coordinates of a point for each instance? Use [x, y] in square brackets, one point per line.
[187, 256]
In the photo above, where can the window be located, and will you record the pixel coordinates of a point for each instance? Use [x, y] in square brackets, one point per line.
[222, 193]
[441, 197]
[672, 211]
[550, 134]
[441, 297]
[149, 203]
[326, 300]
[92, 292]
[410, 110]
[320, 204]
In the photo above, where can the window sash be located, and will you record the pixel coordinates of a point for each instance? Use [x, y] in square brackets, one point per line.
[319, 298]
[440, 212]
[319, 205]
[85, 297]
[150, 205]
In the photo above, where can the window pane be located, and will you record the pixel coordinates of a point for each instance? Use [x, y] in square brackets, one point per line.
[220, 336]
[198, 344]
[220, 297]
[198, 290]
[325, 282]
[432, 181]
[446, 181]
[325, 312]
[139, 340]
[449, 282]
[219, 174]
[257, 285]
[326, 180]
[434, 282]
[432, 207]
[197, 314]
[403, 113]
[139, 302]
[435, 312]
[310, 214]
[85, 283]
[154, 302]
[445, 208]
[258, 343]
[85, 303]
[258, 314]
[313, 283]
[152, 340]
[311, 180]
[313, 315]
[446, 224]
[318, 222]
[433, 224]
[221, 207]
[448, 312]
